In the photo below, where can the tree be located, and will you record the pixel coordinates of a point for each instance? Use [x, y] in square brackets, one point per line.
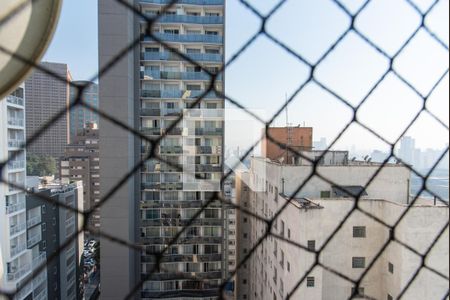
[41, 165]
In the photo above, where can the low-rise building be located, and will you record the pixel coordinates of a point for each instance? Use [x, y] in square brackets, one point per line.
[307, 213]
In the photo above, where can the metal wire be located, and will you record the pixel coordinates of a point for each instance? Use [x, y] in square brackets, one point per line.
[315, 172]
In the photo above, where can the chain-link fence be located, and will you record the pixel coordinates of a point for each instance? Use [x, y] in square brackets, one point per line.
[353, 16]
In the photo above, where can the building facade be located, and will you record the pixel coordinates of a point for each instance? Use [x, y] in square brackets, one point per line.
[19, 255]
[80, 115]
[297, 138]
[48, 96]
[148, 90]
[275, 269]
[56, 226]
[81, 162]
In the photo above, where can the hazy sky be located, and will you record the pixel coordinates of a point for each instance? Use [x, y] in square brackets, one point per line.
[265, 73]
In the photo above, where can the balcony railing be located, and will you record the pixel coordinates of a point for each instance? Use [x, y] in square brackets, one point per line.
[157, 75]
[186, 38]
[38, 260]
[16, 228]
[16, 164]
[194, 2]
[151, 131]
[171, 149]
[15, 122]
[34, 239]
[15, 143]
[208, 168]
[208, 131]
[12, 208]
[206, 57]
[151, 112]
[175, 94]
[19, 272]
[33, 221]
[189, 19]
[18, 248]
[15, 100]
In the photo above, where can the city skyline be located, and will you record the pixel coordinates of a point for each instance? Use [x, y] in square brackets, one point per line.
[392, 99]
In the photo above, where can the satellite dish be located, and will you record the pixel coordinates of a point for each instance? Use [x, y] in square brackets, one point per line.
[26, 28]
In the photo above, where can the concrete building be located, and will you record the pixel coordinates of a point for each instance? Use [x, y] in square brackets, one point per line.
[19, 255]
[148, 89]
[56, 226]
[80, 115]
[46, 97]
[297, 138]
[81, 162]
[276, 267]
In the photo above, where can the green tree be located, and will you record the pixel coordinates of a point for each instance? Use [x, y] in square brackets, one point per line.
[41, 165]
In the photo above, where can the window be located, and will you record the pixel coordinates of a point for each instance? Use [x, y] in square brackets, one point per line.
[289, 266]
[391, 268]
[310, 282]
[325, 194]
[359, 231]
[312, 245]
[389, 297]
[358, 262]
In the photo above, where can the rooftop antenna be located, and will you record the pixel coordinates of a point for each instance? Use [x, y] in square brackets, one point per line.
[289, 131]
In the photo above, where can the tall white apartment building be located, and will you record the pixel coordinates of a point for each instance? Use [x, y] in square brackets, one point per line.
[19, 253]
[276, 267]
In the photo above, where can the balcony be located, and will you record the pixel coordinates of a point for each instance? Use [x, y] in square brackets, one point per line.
[16, 122]
[173, 131]
[16, 165]
[171, 56]
[150, 112]
[208, 168]
[15, 100]
[193, 2]
[12, 208]
[33, 221]
[34, 239]
[173, 112]
[13, 143]
[186, 38]
[188, 19]
[151, 131]
[18, 248]
[18, 273]
[158, 75]
[176, 94]
[16, 228]
[171, 149]
[38, 260]
[209, 131]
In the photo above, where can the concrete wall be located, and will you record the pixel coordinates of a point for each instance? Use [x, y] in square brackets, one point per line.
[116, 97]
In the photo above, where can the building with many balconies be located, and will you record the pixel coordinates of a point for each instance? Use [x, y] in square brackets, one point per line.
[149, 90]
[19, 255]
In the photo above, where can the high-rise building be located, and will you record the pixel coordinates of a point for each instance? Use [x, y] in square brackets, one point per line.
[81, 162]
[305, 219]
[57, 226]
[407, 149]
[46, 97]
[19, 253]
[296, 138]
[148, 89]
[80, 115]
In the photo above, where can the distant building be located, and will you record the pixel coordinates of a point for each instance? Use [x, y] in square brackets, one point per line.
[80, 115]
[57, 225]
[81, 162]
[298, 138]
[276, 267]
[46, 97]
[321, 144]
[19, 255]
[407, 149]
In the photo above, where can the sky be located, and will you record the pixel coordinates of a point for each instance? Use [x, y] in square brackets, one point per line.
[265, 74]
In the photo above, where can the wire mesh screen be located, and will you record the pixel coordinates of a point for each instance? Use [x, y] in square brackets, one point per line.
[353, 16]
